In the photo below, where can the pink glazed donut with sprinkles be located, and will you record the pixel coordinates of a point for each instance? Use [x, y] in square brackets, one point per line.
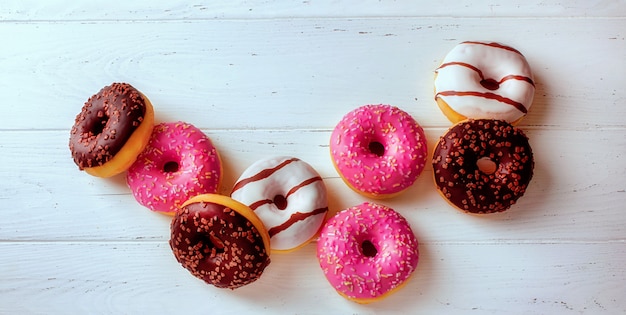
[378, 150]
[367, 252]
[178, 163]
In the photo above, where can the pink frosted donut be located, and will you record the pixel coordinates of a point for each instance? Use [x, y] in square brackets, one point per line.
[178, 163]
[289, 197]
[367, 252]
[379, 150]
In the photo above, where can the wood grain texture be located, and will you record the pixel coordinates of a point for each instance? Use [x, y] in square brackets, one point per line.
[29, 10]
[571, 195]
[282, 70]
[263, 78]
[132, 277]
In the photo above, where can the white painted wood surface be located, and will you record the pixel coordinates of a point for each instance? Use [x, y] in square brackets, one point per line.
[274, 77]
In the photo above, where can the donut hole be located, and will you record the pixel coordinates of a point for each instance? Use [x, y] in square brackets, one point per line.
[368, 249]
[280, 201]
[490, 84]
[486, 165]
[170, 167]
[100, 123]
[376, 148]
[213, 243]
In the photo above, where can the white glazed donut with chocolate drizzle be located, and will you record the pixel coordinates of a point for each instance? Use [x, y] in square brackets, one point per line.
[483, 80]
[289, 197]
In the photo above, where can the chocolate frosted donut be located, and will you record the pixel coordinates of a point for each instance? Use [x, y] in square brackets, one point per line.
[483, 166]
[106, 123]
[220, 241]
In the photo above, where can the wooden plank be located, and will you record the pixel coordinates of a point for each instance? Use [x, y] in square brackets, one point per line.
[133, 277]
[576, 194]
[272, 77]
[149, 10]
[299, 74]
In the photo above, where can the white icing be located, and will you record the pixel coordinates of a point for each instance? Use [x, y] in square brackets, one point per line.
[310, 196]
[495, 63]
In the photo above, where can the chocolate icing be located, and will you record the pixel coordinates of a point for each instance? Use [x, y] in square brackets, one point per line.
[458, 177]
[218, 245]
[105, 123]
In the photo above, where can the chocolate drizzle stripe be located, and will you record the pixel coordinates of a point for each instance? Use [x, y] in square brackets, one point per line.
[304, 183]
[296, 217]
[263, 202]
[482, 77]
[462, 64]
[518, 77]
[259, 203]
[486, 95]
[495, 45]
[262, 174]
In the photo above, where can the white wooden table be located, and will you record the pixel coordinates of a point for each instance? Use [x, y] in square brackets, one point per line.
[274, 77]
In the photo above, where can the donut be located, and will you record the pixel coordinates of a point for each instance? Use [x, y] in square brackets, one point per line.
[483, 80]
[112, 128]
[178, 163]
[378, 150]
[220, 241]
[367, 252]
[482, 165]
[289, 197]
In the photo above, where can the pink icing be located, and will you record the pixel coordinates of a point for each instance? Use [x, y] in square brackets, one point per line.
[178, 163]
[378, 149]
[367, 250]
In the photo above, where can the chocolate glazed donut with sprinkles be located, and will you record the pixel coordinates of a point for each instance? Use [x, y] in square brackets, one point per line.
[484, 80]
[220, 241]
[111, 130]
[483, 166]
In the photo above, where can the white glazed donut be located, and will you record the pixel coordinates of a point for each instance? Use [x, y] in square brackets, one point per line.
[483, 80]
[289, 197]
